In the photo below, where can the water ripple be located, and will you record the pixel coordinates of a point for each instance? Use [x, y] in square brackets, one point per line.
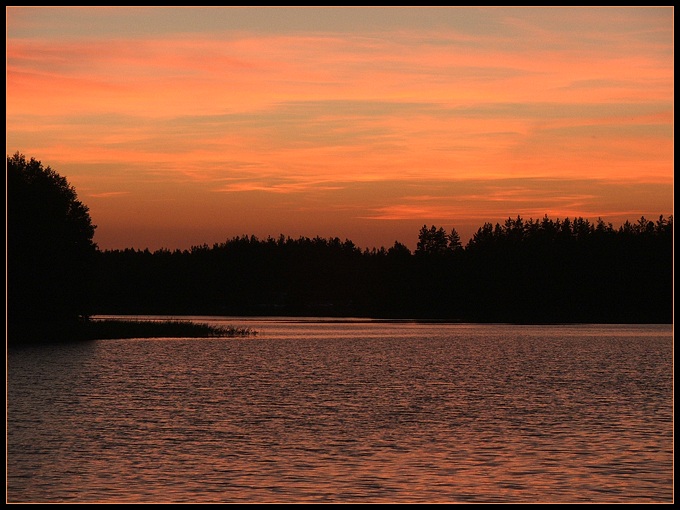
[343, 412]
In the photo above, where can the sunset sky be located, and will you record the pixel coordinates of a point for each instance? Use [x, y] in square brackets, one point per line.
[185, 126]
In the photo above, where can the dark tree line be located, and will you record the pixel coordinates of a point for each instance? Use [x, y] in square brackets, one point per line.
[521, 271]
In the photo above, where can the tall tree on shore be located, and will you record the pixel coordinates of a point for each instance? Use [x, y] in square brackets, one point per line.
[50, 250]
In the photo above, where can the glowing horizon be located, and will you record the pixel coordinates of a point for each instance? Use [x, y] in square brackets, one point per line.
[185, 126]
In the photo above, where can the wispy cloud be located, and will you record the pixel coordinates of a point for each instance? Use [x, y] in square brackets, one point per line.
[108, 194]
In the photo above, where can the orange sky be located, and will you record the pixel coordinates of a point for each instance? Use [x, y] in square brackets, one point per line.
[184, 126]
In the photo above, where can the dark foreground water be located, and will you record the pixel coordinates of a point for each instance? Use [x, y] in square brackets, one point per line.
[356, 411]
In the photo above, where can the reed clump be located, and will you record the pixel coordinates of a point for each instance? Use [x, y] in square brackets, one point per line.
[124, 328]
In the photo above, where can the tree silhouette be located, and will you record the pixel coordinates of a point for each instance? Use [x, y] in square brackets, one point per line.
[49, 251]
[432, 241]
[454, 240]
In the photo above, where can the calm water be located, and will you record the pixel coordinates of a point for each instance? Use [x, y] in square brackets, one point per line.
[358, 411]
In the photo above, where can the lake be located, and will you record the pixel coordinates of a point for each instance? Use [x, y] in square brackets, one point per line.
[347, 411]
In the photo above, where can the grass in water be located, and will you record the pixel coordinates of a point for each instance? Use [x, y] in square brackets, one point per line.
[113, 328]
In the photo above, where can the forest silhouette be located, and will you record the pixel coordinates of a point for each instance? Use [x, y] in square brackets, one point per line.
[521, 271]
